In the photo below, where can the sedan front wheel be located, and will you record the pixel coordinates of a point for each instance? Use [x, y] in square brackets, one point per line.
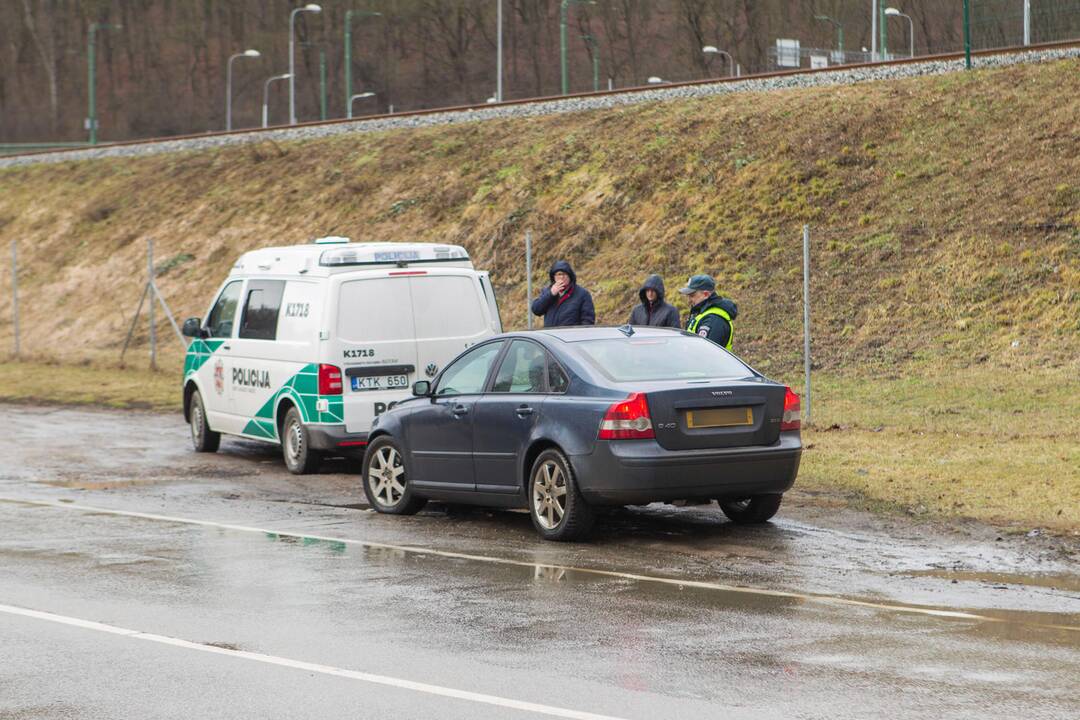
[386, 479]
[556, 507]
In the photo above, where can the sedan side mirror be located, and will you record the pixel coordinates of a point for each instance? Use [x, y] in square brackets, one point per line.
[421, 388]
[193, 328]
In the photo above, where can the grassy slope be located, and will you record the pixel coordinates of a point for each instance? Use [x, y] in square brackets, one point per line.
[944, 213]
[946, 254]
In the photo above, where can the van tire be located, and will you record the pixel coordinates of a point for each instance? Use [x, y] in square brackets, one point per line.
[385, 462]
[296, 448]
[203, 438]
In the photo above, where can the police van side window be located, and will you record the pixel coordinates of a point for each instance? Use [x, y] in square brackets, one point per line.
[261, 309]
[220, 322]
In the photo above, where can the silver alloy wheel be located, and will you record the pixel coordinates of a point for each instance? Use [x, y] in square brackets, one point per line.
[196, 423]
[549, 495]
[294, 441]
[386, 476]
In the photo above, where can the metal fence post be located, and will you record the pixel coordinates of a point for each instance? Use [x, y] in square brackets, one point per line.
[806, 316]
[528, 278]
[15, 294]
[150, 309]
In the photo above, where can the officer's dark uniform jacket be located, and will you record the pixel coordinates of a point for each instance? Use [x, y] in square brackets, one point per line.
[713, 318]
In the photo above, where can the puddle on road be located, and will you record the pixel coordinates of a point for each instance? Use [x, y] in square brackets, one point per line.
[1068, 583]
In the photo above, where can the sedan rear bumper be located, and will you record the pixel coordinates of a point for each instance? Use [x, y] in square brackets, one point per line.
[631, 472]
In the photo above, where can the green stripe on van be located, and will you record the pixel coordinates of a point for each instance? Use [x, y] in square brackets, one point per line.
[198, 352]
[303, 389]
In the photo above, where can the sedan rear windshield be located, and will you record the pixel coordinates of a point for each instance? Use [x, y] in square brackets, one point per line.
[678, 357]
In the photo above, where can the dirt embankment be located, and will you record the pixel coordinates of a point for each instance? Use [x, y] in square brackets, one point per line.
[944, 214]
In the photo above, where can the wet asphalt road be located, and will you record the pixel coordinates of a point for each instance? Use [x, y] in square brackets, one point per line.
[139, 580]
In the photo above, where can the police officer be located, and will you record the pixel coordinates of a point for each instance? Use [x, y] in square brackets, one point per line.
[711, 316]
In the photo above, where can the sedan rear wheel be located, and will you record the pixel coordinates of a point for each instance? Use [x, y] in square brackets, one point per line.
[557, 509]
[752, 510]
[386, 479]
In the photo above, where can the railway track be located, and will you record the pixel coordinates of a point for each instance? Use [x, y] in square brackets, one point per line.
[840, 74]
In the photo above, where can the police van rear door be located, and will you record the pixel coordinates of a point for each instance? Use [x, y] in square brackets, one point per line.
[374, 344]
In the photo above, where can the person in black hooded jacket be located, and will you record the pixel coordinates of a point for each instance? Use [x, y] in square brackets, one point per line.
[564, 302]
[653, 310]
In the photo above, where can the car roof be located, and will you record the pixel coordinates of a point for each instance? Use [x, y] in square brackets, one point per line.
[594, 332]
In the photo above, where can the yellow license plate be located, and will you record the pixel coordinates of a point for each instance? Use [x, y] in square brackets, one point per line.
[719, 417]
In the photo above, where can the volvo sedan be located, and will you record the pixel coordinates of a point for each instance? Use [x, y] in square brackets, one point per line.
[564, 420]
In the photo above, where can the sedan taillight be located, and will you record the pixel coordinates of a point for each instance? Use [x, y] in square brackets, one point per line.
[627, 420]
[792, 411]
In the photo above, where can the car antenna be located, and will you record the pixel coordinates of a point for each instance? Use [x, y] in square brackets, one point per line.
[627, 330]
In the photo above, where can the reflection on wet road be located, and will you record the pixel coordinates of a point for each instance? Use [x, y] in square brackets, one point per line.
[276, 595]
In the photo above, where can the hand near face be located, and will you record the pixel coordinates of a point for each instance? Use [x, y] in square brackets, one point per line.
[558, 287]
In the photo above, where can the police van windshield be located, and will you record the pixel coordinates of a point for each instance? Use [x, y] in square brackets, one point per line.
[678, 357]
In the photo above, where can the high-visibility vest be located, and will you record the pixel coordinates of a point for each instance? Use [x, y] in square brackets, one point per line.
[693, 326]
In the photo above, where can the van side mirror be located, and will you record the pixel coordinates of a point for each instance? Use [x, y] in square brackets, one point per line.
[421, 388]
[193, 328]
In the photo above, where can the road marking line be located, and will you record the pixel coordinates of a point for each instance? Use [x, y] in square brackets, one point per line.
[698, 584]
[440, 690]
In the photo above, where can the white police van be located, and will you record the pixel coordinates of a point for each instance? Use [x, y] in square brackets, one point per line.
[305, 345]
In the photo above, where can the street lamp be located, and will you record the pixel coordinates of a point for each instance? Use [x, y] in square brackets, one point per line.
[348, 47]
[91, 61]
[266, 94]
[594, 51]
[839, 34]
[228, 85]
[911, 26]
[562, 40]
[312, 8]
[712, 50]
[357, 97]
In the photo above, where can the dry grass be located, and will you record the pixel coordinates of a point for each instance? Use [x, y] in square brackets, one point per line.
[989, 443]
[100, 385]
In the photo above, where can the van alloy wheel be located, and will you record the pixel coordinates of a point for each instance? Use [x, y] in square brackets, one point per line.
[549, 495]
[387, 476]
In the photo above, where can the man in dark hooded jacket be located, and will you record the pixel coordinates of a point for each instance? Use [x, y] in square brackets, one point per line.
[564, 302]
[711, 316]
[653, 310]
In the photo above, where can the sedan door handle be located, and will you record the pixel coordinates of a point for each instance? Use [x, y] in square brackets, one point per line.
[459, 410]
[524, 411]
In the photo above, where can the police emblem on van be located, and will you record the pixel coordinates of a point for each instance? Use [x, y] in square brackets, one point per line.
[219, 377]
[431, 370]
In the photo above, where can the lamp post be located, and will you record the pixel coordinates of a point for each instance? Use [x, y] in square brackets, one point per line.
[562, 40]
[312, 8]
[1027, 22]
[348, 49]
[266, 95]
[893, 12]
[839, 34]
[967, 34]
[228, 84]
[594, 51]
[91, 61]
[873, 30]
[498, 52]
[713, 50]
[357, 97]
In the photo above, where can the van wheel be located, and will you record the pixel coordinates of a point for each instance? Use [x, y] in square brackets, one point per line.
[556, 507]
[752, 510]
[386, 479]
[202, 437]
[300, 458]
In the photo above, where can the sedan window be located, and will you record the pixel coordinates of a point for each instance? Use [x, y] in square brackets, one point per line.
[679, 357]
[522, 369]
[467, 374]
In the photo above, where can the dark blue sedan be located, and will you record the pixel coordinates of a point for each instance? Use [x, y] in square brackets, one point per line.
[564, 420]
